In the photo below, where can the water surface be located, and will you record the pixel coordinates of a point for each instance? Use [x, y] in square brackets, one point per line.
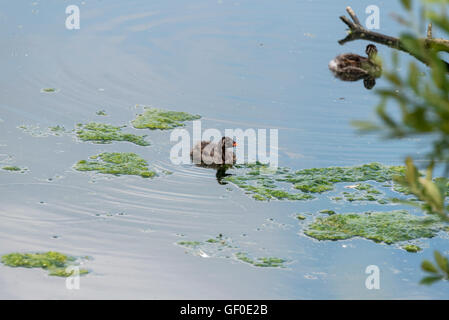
[239, 64]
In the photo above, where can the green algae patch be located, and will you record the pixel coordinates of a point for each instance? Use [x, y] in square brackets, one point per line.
[223, 247]
[12, 168]
[262, 186]
[48, 90]
[15, 169]
[101, 113]
[63, 273]
[326, 177]
[189, 243]
[411, 248]
[300, 217]
[386, 227]
[318, 186]
[264, 262]
[218, 240]
[264, 183]
[116, 164]
[262, 193]
[327, 211]
[105, 133]
[367, 188]
[54, 262]
[364, 192]
[154, 118]
[36, 131]
[57, 130]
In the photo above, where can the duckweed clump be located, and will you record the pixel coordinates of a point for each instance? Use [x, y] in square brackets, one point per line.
[57, 130]
[364, 192]
[105, 133]
[48, 90]
[327, 211]
[38, 132]
[54, 262]
[221, 247]
[386, 227]
[154, 118]
[189, 243]
[367, 188]
[264, 183]
[263, 193]
[411, 248]
[12, 168]
[318, 186]
[264, 262]
[116, 164]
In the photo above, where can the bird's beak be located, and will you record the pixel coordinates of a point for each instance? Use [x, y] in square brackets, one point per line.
[234, 144]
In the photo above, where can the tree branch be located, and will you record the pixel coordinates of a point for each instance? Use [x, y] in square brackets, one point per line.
[358, 32]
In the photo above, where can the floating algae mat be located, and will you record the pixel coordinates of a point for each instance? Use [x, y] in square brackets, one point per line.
[56, 263]
[116, 164]
[49, 90]
[105, 133]
[93, 131]
[153, 118]
[386, 227]
[36, 131]
[411, 248]
[264, 184]
[364, 192]
[14, 169]
[189, 243]
[221, 247]
[264, 262]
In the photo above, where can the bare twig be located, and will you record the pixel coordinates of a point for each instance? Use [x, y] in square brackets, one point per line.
[353, 16]
[348, 22]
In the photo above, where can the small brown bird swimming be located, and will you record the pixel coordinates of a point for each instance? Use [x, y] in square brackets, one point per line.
[352, 67]
[214, 154]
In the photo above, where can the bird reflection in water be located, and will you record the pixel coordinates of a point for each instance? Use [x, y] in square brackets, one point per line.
[352, 67]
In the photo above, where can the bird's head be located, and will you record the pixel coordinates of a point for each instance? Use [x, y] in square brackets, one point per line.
[371, 50]
[228, 142]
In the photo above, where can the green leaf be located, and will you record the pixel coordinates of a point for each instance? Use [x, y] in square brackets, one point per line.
[413, 77]
[441, 261]
[407, 4]
[430, 280]
[428, 266]
[433, 194]
[365, 126]
[395, 59]
[411, 173]
[413, 44]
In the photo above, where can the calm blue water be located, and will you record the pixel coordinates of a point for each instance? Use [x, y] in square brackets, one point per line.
[240, 64]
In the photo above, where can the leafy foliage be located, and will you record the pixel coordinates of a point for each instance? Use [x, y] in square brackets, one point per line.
[422, 99]
[437, 271]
